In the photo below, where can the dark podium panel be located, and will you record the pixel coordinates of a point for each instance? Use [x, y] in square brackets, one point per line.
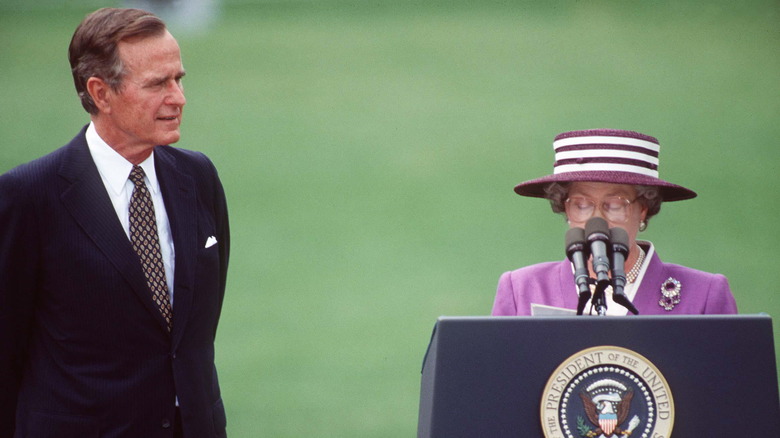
[485, 376]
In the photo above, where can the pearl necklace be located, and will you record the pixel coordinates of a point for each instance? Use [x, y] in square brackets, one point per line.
[634, 272]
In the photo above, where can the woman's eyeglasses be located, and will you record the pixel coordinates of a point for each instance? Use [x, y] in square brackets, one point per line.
[614, 208]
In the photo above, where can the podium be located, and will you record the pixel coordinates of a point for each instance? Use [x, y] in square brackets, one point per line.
[507, 377]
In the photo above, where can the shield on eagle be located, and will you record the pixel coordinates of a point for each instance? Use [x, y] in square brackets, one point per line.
[606, 404]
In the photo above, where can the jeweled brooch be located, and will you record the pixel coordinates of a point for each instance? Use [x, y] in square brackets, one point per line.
[670, 291]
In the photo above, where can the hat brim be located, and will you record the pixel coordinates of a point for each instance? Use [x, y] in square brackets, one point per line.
[669, 192]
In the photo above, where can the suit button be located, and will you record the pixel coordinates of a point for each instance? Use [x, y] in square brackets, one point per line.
[166, 423]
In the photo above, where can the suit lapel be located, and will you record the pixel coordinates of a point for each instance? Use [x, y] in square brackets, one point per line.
[567, 285]
[178, 190]
[646, 298]
[84, 196]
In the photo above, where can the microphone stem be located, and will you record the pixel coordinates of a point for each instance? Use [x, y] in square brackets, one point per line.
[599, 299]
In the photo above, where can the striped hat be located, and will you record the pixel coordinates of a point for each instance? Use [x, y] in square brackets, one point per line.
[608, 156]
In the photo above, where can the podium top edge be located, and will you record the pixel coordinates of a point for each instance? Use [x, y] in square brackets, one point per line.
[752, 316]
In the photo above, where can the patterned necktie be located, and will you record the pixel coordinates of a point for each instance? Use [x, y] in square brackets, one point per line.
[146, 243]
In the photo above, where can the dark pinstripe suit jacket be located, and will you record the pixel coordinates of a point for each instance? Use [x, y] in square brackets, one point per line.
[83, 350]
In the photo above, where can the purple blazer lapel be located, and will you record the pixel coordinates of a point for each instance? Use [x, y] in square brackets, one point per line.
[567, 286]
[84, 196]
[646, 298]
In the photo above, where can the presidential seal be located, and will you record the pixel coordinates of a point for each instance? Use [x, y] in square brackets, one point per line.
[607, 392]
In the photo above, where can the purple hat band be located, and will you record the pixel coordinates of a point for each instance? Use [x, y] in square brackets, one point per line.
[609, 156]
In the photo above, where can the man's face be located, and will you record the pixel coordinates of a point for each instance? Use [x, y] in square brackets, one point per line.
[146, 110]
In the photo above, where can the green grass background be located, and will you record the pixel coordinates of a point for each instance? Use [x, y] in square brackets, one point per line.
[369, 150]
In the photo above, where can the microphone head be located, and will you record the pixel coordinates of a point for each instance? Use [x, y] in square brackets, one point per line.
[597, 229]
[619, 238]
[575, 241]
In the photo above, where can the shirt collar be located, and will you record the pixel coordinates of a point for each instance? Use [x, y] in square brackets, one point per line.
[114, 168]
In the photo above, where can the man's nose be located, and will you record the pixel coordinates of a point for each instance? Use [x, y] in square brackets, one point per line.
[175, 94]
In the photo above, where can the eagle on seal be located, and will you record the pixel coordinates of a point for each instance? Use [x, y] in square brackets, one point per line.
[607, 412]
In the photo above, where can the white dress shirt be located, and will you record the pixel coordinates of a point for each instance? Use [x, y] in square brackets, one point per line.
[115, 171]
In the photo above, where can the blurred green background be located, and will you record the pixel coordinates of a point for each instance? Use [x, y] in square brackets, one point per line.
[369, 149]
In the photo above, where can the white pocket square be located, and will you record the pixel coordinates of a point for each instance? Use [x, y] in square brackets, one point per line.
[211, 241]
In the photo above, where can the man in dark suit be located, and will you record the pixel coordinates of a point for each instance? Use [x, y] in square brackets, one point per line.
[113, 256]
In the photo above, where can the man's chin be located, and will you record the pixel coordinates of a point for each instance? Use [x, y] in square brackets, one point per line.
[169, 138]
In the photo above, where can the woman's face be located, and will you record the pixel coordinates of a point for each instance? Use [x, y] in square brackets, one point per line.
[614, 203]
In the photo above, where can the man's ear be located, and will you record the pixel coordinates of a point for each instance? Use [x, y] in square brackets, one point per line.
[99, 90]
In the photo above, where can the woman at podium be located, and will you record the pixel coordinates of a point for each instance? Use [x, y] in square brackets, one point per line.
[612, 175]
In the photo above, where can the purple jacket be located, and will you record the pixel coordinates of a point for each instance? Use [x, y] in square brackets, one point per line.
[552, 284]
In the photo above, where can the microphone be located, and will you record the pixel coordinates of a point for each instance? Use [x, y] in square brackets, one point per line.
[619, 247]
[597, 231]
[577, 252]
